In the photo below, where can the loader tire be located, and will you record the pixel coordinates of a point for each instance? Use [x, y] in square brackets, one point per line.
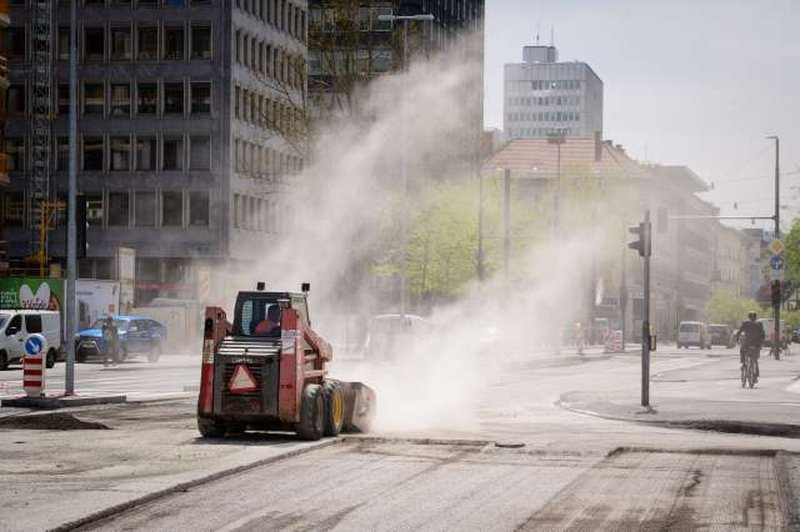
[312, 413]
[210, 428]
[334, 408]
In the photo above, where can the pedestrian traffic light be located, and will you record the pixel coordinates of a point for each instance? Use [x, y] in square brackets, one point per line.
[776, 293]
[642, 242]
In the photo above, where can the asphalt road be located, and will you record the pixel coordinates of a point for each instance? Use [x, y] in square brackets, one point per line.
[554, 469]
[386, 486]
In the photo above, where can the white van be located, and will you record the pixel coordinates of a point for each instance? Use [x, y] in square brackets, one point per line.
[693, 333]
[17, 325]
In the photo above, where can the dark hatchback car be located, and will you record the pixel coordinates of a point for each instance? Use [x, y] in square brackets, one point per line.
[137, 335]
[721, 334]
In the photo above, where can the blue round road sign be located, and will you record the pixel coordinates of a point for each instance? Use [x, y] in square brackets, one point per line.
[776, 262]
[34, 345]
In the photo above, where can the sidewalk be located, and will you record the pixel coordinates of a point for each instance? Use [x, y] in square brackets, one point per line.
[708, 397]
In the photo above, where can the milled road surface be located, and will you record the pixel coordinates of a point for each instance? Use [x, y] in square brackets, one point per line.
[574, 471]
[396, 486]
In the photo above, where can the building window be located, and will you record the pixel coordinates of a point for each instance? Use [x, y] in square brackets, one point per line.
[93, 99]
[145, 154]
[63, 43]
[120, 154]
[148, 3]
[144, 214]
[172, 153]
[94, 2]
[63, 99]
[15, 151]
[172, 209]
[121, 99]
[93, 153]
[201, 97]
[198, 208]
[121, 43]
[94, 210]
[199, 153]
[174, 3]
[148, 42]
[237, 97]
[15, 99]
[118, 208]
[173, 98]
[16, 42]
[201, 41]
[147, 99]
[15, 209]
[94, 44]
[62, 154]
[173, 43]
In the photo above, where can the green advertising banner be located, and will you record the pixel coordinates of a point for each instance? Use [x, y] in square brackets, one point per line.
[31, 293]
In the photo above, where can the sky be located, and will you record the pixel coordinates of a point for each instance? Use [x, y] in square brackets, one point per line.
[698, 83]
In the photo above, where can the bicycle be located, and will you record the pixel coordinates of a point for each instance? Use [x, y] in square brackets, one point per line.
[750, 367]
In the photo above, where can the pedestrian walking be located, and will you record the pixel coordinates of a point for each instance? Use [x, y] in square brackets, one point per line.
[110, 341]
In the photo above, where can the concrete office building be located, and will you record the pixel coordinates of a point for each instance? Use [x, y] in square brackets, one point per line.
[545, 97]
[182, 105]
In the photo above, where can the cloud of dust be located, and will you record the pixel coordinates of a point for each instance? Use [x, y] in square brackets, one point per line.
[437, 383]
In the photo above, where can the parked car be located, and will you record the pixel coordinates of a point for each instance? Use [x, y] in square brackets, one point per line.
[137, 335]
[390, 335]
[16, 325]
[693, 333]
[721, 334]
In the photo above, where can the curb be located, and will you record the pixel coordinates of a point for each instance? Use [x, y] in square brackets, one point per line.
[185, 486]
[54, 403]
[777, 430]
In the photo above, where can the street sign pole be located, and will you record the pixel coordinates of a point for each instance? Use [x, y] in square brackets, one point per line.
[776, 285]
[646, 314]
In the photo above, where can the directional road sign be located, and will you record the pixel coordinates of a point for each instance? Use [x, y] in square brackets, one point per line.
[776, 262]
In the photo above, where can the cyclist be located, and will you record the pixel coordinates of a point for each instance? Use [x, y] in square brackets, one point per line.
[753, 337]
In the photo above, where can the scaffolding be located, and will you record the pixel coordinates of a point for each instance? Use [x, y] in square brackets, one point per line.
[40, 193]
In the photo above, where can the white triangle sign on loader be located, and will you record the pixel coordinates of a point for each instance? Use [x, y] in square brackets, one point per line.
[242, 381]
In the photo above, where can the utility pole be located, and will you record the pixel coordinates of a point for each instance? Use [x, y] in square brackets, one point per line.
[403, 172]
[72, 204]
[776, 284]
[506, 225]
[558, 140]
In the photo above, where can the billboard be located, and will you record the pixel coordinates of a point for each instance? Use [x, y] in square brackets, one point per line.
[31, 293]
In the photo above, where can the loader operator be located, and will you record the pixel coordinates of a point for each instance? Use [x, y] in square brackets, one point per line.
[271, 325]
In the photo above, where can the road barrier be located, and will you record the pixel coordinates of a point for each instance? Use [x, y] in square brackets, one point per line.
[614, 342]
[33, 365]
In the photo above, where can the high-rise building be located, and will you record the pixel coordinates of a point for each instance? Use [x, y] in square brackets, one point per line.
[349, 46]
[184, 111]
[544, 97]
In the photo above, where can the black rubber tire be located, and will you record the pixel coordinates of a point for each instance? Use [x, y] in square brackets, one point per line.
[155, 353]
[50, 361]
[3, 361]
[334, 407]
[312, 413]
[210, 428]
[80, 357]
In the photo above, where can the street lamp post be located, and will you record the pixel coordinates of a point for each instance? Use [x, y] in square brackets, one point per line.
[403, 172]
[558, 140]
[776, 285]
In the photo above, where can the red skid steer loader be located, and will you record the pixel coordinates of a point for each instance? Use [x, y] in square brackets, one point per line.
[266, 371]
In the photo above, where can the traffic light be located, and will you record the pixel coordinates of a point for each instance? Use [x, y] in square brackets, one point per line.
[776, 293]
[642, 244]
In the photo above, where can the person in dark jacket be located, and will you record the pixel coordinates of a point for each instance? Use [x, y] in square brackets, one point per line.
[110, 341]
[754, 335]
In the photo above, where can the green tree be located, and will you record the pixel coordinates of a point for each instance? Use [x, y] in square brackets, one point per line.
[791, 251]
[724, 307]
